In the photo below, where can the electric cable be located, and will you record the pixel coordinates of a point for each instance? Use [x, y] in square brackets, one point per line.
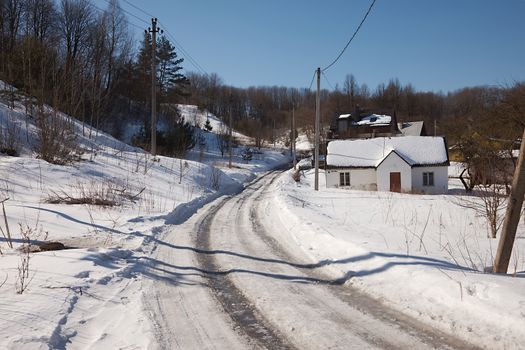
[352, 38]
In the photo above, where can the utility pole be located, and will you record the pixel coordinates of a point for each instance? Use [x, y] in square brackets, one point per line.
[317, 126]
[230, 134]
[291, 131]
[293, 137]
[273, 133]
[512, 215]
[153, 30]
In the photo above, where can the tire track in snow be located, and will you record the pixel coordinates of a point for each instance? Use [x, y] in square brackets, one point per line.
[239, 308]
[355, 299]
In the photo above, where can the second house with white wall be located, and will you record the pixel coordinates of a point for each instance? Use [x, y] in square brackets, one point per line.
[417, 164]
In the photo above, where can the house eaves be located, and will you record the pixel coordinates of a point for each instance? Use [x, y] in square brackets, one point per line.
[335, 167]
[388, 155]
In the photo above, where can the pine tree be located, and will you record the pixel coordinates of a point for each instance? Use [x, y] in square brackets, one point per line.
[142, 69]
[171, 80]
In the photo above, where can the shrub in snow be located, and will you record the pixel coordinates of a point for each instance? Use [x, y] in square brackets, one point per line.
[177, 140]
[56, 139]
[247, 154]
[215, 178]
[106, 194]
[10, 137]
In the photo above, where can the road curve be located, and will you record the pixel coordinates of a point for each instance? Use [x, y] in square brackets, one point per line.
[291, 302]
[221, 280]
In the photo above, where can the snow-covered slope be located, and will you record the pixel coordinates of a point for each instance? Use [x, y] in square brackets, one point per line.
[196, 117]
[90, 296]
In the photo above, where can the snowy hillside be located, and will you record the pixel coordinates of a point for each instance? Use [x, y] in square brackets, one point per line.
[90, 294]
[196, 117]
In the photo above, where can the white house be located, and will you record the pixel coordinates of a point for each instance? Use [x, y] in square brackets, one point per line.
[399, 164]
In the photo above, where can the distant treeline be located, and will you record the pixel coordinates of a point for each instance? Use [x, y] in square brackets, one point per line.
[497, 112]
[82, 60]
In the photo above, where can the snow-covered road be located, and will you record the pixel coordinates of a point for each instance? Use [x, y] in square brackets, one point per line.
[225, 279]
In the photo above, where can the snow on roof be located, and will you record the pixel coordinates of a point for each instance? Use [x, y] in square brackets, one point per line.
[374, 119]
[344, 116]
[415, 150]
[411, 128]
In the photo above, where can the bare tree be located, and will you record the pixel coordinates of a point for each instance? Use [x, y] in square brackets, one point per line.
[40, 18]
[351, 89]
[119, 41]
[75, 20]
[23, 278]
[12, 18]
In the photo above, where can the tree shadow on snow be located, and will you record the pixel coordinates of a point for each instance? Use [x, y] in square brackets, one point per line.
[178, 274]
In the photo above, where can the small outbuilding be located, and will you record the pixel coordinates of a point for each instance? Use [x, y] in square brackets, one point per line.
[417, 164]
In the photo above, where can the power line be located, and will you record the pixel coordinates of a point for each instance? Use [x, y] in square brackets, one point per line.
[131, 14]
[191, 60]
[125, 19]
[138, 8]
[311, 83]
[353, 36]
[327, 81]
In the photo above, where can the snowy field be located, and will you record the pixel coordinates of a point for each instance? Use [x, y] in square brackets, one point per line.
[421, 254]
[90, 296]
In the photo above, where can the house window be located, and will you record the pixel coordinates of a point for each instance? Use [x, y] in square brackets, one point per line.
[344, 179]
[428, 179]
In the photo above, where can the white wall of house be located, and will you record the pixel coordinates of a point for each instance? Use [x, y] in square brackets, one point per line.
[440, 179]
[378, 179]
[360, 179]
[394, 163]
[363, 179]
[332, 178]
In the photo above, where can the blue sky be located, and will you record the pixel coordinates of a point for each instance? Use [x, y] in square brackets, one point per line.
[434, 45]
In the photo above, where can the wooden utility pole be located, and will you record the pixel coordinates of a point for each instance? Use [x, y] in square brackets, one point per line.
[512, 215]
[291, 132]
[317, 127]
[153, 30]
[273, 133]
[293, 137]
[230, 134]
